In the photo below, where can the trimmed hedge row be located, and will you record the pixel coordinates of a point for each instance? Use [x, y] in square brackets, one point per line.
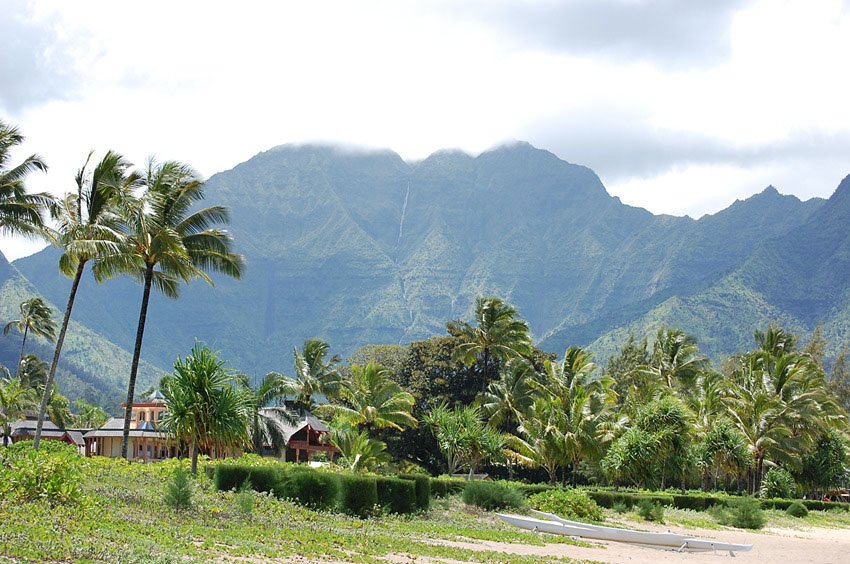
[398, 496]
[423, 489]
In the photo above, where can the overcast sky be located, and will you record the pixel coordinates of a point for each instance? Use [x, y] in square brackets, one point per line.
[681, 107]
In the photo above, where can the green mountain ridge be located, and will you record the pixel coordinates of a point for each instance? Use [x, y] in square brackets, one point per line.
[362, 247]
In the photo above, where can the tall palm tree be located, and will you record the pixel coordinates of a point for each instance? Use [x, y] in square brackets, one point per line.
[20, 213]
[499, 334]
[36, 317]
[267, 418]
[510, 395]
[373, 401]
[166, 241]
[15, 399]
[207, 406]
[675, 358]
[88, 228]
[315, 374]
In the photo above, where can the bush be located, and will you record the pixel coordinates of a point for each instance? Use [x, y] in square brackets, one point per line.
[178, 492]
[358, 495]
[448, 485]
[620, 507]
[574, 504]
[244, 500]
[396, 495]
[423, 490]
[262, 478]
[744, 513]
[650, 510]
[53, 473]
[695, 502]
[492, 495]
[317, 490]
[777, 482]
[439, 487]
[797, 509]
[532, 489]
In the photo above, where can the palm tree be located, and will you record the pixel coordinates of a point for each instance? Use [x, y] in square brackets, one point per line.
[15, 399]
[207, 408]
[675, 358]
[373, 401]
[20, 213]
[314, 373]
[267, 420]
[498, 335]
[36, 317]
[463, 438]
[541, 441]
[167, 242]
[510, 395]
[88, 228]
[357, 451]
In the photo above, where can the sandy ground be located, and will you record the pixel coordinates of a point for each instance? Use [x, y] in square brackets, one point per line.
[821, 546]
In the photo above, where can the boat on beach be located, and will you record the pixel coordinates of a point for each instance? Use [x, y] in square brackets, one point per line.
[550, 523]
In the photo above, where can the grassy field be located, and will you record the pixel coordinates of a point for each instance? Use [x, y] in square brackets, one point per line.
[123, 519]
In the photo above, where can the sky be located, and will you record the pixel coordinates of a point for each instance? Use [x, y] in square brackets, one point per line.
[680, 106]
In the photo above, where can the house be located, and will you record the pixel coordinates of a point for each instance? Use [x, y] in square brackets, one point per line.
[305, 438]
[25, 430]
[146, 440]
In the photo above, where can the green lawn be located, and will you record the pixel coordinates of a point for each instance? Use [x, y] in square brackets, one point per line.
[124, 519]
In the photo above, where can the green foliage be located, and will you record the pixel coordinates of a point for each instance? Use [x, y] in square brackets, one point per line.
[650, 510]
[260, 478]
[317, 490]
[826, 466]
[357, 451]
[492, 495]
[777, 482]
[463, 437]
[178, 492]
[620, 507]
[358, 495]
[53, 473]
[571, 504]
[444, 487]
[797, 509]
[396, 495]
[743, 513]
[423, 489]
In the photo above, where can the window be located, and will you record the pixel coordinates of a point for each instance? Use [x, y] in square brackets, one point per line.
[141, 416]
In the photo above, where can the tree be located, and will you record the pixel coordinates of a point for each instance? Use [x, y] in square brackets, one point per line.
[88, 228]
[839, 381]
[357, 451]
[167, 242]
[827, 465]
[315, 374]
[207, 408]
[15, 399]
[36, 317]
[89, 416]
[498, 335]
[464, 439]
[675, 358]
[509, 396]
[625, 369]
[373, 401]
[816, 347]
[267, 417]
[722, 451]
[20, 213]
[541, 440]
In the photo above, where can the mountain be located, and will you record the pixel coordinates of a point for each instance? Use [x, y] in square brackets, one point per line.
[362, 247]
[91, 367]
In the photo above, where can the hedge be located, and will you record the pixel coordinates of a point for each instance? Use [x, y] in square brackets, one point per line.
[423, 489]
[396, 495]
[317, 490]
[358, 494]
[492, 495]
[261, 478]
[444, 487]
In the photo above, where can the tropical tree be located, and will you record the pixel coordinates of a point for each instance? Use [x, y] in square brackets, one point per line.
[88, 228]
[15, 400]
[357, 451]
[268, 418]
[826, 466]
[510, 395]
[166, 242]
[722, 451]
[371, 400]
[207, 407]
[675, 358]
[20, 213]
[36, 317]
[315, 374]
[463, 438]
[540, 440]
[89, 416]
[498, 335]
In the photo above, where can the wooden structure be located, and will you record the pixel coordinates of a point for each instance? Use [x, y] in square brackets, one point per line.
[305, 438]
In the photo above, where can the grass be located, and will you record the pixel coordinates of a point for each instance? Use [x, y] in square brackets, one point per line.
[125, 519]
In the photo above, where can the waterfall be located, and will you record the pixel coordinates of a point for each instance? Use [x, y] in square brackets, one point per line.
[403, 211]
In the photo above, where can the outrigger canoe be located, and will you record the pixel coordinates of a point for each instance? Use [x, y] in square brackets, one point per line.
[667, 541]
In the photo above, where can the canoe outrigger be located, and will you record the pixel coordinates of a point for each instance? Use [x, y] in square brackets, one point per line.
[667, 541]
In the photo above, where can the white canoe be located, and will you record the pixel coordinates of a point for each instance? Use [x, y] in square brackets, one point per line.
[671, 541]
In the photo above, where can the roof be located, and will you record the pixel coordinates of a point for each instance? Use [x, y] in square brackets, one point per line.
[115, 428]
[307, 420]
[49, 430]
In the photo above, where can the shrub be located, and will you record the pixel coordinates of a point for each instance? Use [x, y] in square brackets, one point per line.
[244, 500]
[531, 489]
[53, 473]
[317, 490]
[777, 482]
[262, 478]
[492, 495]
[572, 503]
[178, 492]
[695, 502]
[620, 507]
[744, 513]
[358, 495]
[396, 496]
[439, 487]
[797, 509]
[423, 489]
[650, 510]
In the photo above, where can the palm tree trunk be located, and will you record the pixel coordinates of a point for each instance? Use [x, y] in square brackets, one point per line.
[193, 449]
[48, 386]
[137, 353]
[484, 371]
[23, 342]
